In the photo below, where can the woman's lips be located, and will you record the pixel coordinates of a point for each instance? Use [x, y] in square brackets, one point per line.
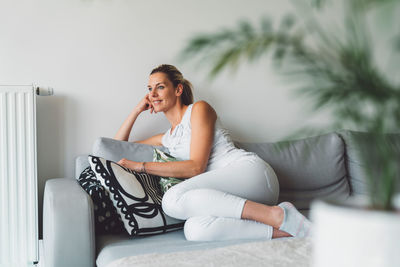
[156, 102]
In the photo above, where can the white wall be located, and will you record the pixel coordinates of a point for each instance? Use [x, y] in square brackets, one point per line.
[97, 55]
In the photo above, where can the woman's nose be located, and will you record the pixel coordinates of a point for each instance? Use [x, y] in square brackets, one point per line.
[153, 92]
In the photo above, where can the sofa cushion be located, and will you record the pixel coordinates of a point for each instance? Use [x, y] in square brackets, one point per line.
[360, 152]
[113, 247]
[137, 197]
[115, 150]
[81, 163]
[307, 169]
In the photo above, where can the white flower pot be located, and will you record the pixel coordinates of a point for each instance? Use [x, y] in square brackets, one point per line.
[347, 234]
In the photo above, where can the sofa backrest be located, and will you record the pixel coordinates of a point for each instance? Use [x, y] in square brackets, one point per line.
[362, 161]
[307, 169]
[325, 166]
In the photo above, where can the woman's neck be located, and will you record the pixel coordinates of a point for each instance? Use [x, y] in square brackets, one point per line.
[175, 114]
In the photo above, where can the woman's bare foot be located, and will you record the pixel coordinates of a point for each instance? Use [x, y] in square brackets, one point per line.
[278, 234]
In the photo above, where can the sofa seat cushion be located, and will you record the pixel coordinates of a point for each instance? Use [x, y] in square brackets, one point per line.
[307, 169]
[113, 247]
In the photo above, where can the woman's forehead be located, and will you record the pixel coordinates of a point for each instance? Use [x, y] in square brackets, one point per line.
[157, 78]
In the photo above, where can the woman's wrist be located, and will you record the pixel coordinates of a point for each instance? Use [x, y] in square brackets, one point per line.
[143, 167]
[136, 111]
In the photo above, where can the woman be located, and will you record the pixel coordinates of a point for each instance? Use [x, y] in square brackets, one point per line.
[231, 193]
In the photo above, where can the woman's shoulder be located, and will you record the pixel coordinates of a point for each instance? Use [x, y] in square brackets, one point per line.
[202, 106]
[201, 109]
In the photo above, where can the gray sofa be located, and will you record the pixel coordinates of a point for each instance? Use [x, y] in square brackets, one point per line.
[325, 166]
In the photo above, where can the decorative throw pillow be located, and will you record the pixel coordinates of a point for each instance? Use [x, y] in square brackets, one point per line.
[107, 220]
[137, 197]
[165, 182]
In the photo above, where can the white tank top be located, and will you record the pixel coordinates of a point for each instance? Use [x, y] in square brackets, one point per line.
[223, 150]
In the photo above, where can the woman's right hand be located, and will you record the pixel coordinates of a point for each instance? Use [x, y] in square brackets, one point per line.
[144, 104]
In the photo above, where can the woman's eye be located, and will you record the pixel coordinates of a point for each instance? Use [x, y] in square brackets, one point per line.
[149, 89]
[160, 87]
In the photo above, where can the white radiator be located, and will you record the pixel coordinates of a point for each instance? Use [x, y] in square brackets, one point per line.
[18, 177]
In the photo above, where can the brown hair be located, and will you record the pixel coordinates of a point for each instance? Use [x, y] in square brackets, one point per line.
[176, 77]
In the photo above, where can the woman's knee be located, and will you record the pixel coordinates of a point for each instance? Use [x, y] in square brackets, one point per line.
[199, 228]
[272, 181]
[169, 201]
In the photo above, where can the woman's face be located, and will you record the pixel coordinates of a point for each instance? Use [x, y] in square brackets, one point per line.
[162, 93]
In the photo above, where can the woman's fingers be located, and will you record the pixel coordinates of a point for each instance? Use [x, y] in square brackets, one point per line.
[145, 104]
[124, 162]
[149, 105]
[133, 165]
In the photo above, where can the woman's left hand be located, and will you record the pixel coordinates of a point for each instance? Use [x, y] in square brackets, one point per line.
[133, 165]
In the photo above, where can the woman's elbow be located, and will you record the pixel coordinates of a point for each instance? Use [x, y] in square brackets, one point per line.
[197, 169]
[120, 138]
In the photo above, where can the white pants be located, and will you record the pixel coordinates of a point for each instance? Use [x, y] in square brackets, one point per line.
[212, 202]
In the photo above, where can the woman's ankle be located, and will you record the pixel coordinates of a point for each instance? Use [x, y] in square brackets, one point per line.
[278, 215]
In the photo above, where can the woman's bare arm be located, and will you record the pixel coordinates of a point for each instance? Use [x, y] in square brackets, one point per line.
[203, 122]
[177, 169]
[153, 141]
[126, 128]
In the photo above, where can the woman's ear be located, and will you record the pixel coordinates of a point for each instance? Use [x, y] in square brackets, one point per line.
[179, 90]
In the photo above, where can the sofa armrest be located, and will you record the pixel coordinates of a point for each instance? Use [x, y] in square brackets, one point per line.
[68, 225]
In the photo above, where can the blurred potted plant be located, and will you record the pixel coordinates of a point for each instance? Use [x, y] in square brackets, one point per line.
[340, 70]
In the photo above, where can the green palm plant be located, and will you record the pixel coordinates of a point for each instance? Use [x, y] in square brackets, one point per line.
[338, 70]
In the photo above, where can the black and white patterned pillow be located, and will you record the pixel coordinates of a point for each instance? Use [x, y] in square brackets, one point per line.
[107, 220]
[137, 197]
